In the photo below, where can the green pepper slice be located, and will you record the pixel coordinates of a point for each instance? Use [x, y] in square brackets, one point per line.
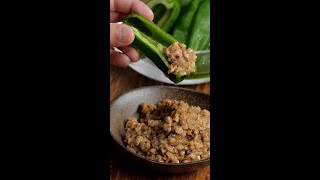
[200, 30]
[166, 13]
[150, 40]
[181, 29]
[203, 66]
[184, 2]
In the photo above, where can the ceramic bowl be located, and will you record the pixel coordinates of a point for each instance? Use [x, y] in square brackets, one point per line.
[127, 105]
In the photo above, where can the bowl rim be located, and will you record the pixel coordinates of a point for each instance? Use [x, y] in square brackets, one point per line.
[157, 86]
[141, 157]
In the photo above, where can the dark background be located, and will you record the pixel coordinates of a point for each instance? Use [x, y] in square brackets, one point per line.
[55, 89]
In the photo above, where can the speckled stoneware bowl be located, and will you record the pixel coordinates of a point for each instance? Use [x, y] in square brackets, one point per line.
[127, 104]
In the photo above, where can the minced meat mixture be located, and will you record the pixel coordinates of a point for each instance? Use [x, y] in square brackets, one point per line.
[182, 59]
[170, 131]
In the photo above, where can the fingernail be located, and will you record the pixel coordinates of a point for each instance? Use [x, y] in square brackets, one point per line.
[125, 34]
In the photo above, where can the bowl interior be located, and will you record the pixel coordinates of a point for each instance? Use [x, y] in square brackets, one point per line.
[127, 104]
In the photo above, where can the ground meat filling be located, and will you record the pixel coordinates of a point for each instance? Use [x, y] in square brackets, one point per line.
[170, 131]
[182, 59]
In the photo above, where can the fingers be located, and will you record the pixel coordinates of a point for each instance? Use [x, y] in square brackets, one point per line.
[120, 35]
[130, 6]
[119, 59]
[116, 17]
[131, 52]
[128, 55]
[141, 8]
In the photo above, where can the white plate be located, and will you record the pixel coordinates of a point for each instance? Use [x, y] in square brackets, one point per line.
[146, 68]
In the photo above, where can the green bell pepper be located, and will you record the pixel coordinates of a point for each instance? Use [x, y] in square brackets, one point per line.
[200, 32]
[203, 66]
[181, 29]
[166, 13]
[184, 2]
[150, 40]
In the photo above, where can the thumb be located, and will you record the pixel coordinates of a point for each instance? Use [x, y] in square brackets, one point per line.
[120, 35]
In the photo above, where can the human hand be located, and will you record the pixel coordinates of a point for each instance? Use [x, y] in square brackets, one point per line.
[121, 35]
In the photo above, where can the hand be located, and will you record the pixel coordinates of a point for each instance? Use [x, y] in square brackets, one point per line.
[121, 35]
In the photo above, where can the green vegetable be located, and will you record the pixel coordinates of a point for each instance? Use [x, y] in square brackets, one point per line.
[181, 29]
[184, 2]
[150, 40]
[203, 66]
[200, 30]
[166, 13]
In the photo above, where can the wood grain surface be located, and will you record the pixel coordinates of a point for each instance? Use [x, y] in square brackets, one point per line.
[121, 168]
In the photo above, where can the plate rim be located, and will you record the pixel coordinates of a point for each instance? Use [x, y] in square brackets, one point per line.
[184, 82]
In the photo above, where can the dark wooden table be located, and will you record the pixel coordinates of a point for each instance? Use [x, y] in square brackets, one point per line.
[124, 79]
